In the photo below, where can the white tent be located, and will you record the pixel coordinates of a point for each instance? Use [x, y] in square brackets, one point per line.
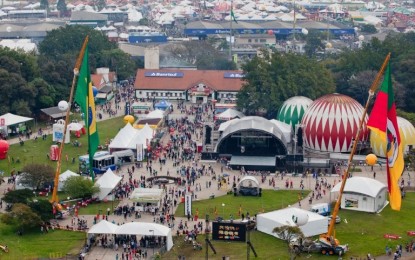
[103, 227]
[284, 127]
[147, 195]
[316, 224]
[229, 114]
[147, 132]
[156, 114]
[363, 194]
[75, 126]
[64, 176]
[148, 229]
[11, 119]
[107, 183]
[123, 140]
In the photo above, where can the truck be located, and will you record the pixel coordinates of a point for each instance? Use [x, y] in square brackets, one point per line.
[321, 209]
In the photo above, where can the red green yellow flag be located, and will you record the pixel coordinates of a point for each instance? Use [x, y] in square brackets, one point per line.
[85, 99]
[383, 121]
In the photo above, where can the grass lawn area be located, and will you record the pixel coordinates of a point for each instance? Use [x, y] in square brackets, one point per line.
[363, 232]
[270, 200]
[34, 245]
[94, 208]
[36, 151]
[266, 246]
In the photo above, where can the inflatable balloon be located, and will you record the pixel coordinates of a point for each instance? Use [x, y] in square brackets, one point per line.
[300, 218]
[371, 159]
[63, 105]
[129, 119]
[4, 148]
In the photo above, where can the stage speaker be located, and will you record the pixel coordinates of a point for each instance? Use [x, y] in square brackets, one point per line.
[208, 134]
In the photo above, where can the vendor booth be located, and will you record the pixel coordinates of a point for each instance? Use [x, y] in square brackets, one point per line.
[107, 184]
[141, 107]
[162, 105]
[315, 225]
[11, 124]
[363, 194]
[229, 114]
[140, 229]
[145, 197]
[248, 186]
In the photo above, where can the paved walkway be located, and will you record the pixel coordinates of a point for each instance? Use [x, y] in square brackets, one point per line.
[109, 254]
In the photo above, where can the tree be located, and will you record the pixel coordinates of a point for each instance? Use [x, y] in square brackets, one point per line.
[36, 175]
[43, 208]
[61, 6]
[79, 187]
[18, 196]
[44, 4]
[314, 43]
[288, 233]
[21, 216]
[273, 78]
[368, 28]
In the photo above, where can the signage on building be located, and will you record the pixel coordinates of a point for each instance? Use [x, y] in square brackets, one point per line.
[233, 75]
[2, 121]
[229, 231]
[188, 204]
[164, 74]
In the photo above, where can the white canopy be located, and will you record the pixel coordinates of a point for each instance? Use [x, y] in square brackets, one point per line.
[248, 179]
[156, 114]
[107, 183]
[64, 176]
[11, 119]
[147, 132]
[229, 114]
[103, 227]
[75, 126]
[361, 185]
[147, 195]
[284, 127]
[316, 224]
[147, 229]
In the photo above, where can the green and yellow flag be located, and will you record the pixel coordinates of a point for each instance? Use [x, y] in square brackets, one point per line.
[383, 121]
[85, 98]
[233, 16]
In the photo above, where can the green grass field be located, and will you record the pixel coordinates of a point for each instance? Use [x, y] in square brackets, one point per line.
[34, 245]
[269, 201]
[35, 151]
[363, 233]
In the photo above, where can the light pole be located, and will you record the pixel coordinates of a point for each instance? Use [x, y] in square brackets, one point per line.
[151, 230]
[223, 211]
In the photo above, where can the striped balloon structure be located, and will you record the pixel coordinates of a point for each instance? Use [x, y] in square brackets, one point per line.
[293, 109]
[331, 122]
[406, 131]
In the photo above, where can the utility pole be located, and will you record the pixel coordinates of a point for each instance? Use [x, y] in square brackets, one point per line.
[230, 31]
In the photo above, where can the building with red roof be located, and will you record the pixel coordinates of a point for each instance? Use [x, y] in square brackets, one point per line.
[197, 86]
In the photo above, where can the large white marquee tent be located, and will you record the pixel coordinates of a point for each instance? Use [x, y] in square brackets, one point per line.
[363, 194]
[134, 228]
[316, 224]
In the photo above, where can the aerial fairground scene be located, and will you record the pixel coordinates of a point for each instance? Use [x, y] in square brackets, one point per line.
[207, 129]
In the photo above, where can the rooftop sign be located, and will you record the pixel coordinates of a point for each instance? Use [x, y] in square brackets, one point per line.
[164, 74]
[233, 75]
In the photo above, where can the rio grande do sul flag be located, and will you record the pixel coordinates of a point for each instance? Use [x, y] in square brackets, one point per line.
[383, 121]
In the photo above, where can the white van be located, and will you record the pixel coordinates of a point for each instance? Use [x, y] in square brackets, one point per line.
[321, 208]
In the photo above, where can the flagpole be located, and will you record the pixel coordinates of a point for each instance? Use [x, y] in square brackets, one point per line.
[54, 200]
[230, 32]
[372, 90]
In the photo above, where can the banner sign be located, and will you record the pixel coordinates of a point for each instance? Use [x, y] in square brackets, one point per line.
[164, 74]
[127, 108]
[233, 75]
[391, 236]
[2, 121]
[140, 152]
[229, 231]
[188, 204]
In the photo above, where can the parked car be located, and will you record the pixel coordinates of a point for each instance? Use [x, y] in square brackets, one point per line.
[338, 219]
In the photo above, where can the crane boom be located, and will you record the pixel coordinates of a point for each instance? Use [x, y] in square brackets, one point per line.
[329, 238]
